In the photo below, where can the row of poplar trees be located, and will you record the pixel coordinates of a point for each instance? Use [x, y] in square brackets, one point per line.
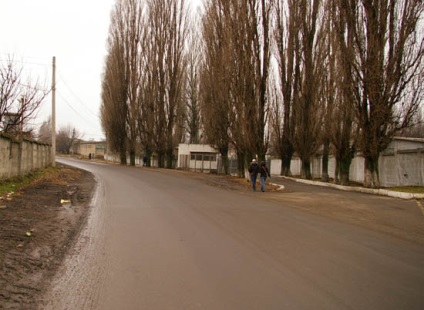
[296, 77]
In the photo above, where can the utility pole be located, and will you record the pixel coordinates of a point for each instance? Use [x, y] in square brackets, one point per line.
[21, 138]
[54, 113]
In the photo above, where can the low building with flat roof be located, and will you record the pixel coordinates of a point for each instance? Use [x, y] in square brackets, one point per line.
[90, 149]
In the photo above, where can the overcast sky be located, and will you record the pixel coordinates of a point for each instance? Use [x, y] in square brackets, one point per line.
[75, 32]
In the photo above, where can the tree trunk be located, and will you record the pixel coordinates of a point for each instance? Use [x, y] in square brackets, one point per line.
[169, 159]
[132, 157]
[224, 156]
[123, 156]
[305, 172]
[241, 160]
[337, 172]
[160, 160]
[286, 156]
[325, 156]
[285, 166]
[149, 156]
[371, 174]
[345, 171]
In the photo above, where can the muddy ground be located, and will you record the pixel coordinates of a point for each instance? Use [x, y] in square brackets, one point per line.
[37, 226]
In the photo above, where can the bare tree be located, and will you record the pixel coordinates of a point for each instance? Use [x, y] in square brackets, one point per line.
[252, 46]
[145, 78]
[121, 81]
[65, 138]
[263, 35]
[20, 98]
[416, 129]
[288, 57]
[310, 105]
[168, 26]
[129, 23]
[215, 78]
[240, 74]
[114, 97]
[146, 104]
[386, 64]
[341, 125]
[158, 36]
[136, 36]
[45, 131]
[194, 53]
[235, 76]
[176, 67]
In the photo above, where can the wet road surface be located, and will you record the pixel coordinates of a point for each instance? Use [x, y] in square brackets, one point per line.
[156, 239]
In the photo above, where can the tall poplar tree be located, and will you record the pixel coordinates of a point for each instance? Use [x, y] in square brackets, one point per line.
[386, 63]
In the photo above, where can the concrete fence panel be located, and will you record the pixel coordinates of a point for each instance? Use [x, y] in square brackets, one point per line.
[403, 168]
[20, 158]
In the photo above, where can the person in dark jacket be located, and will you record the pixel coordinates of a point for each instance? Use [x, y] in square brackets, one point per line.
[253, 171]
[263, 170]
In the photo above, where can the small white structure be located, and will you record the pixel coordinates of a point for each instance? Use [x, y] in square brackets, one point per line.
[197, 157]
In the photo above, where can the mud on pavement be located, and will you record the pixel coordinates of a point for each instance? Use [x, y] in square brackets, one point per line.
[37, 226]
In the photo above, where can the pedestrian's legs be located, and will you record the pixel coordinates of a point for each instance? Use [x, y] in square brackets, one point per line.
[253, 180]
[263, 183]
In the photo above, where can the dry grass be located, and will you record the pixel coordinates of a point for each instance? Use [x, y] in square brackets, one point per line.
[408, 189]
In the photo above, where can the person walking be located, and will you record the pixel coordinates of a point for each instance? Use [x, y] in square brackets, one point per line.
[263, 170]
[253, 171]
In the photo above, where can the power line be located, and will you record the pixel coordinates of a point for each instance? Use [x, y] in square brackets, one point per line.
[22, 61]
[72, 108]
[84, 105]
[34, 88]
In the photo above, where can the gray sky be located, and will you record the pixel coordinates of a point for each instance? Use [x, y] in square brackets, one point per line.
[33, 31]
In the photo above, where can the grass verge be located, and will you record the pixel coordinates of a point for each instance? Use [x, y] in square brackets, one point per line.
[16, 183]
[408, 189]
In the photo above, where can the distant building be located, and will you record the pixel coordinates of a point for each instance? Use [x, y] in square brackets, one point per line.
[13, 127]
[9, 123]
[197, 157]
[90, 149]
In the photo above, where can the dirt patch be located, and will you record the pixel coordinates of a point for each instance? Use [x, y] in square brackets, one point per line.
[230, 182]
[38, 225]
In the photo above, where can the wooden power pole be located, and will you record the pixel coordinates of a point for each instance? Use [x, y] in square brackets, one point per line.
[54, 113]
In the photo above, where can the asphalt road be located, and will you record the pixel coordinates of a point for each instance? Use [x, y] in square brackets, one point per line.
[156, 239]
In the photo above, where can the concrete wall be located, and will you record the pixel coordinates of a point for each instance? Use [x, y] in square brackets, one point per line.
[397, 167]
[34, 156]
[402, 168]
[115, 158]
